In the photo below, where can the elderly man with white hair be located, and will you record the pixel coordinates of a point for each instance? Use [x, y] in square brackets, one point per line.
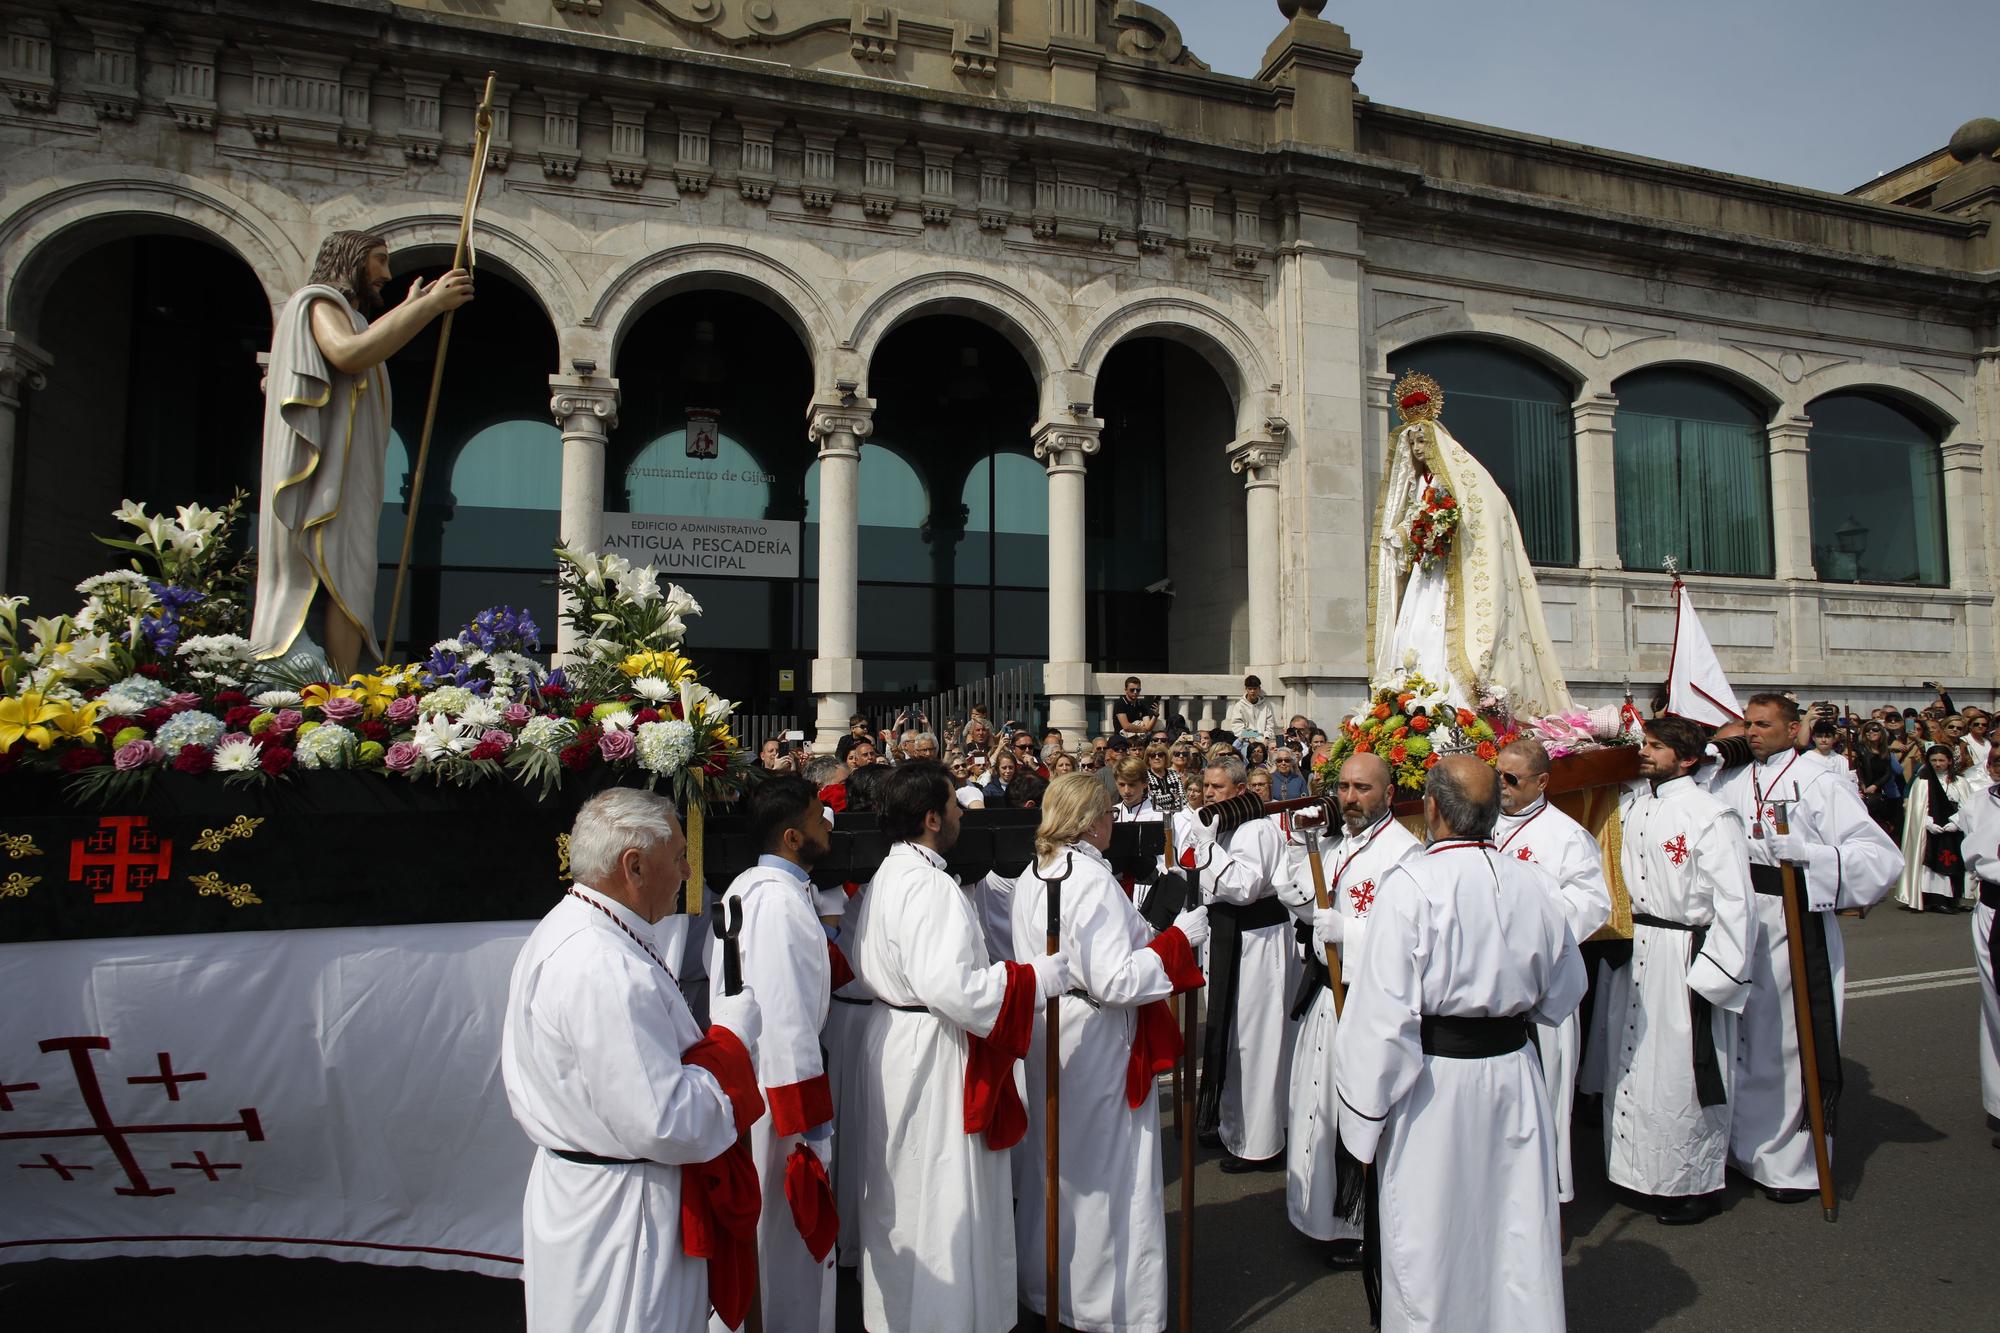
[633, 1111]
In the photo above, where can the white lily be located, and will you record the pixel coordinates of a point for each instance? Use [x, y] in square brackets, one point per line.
[640, 586]
[131, 511]
[696, 695]
[438, 737]
[195, 518]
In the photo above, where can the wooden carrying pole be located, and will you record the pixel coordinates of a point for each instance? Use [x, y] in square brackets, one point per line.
[1335, 981]
[1795, 946]
[1184, 1088]
[483, 131]
[1052, 1116]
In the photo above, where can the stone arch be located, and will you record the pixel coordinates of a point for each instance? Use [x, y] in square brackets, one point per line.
[641, 286]
[535, 265]
[1002, 308]
[1923, 396]
[1737, 368]
[1533, 340]
[1204, 329]
[46, 230]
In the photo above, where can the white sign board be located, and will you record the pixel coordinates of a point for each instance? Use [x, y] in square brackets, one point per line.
[684, 546]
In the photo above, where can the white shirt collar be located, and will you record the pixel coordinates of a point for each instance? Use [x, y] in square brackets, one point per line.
[935, 860]
[617, 909]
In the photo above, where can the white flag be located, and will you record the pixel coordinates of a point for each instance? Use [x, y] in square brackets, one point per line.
[1697, 689]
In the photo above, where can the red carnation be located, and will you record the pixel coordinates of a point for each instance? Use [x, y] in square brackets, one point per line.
[231, 699]
[150, 670]
[487, 750]
[238, 718]
[193, 759]
[552, 688]
[372, 731]
[645, 715]
[275, 759]
[716, 766]
[582, 712]
[76, 760]
[153, 717]
[674, 709]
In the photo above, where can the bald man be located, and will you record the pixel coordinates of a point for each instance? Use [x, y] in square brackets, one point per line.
[1355, 859]
[1438, 1085]
[1532, 830]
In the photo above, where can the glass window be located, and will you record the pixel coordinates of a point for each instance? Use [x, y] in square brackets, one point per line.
[1006, 498]
[1693, 475]
[662, 479]
[892, 506]
[1512, 413]
[1877, 492]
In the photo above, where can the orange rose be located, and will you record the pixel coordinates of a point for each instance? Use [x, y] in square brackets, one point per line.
[1430, 761]
[1488, 751]
[1403, 702]
[1400, 732]
[1382, 711]
[1466, 717]
[1420, 724]
[1397, 754]
[1364, 748]
[1446, 502]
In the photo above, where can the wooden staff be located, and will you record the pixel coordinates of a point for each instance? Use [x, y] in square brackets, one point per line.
[1795, 946]
[482, 132]
[1052, 1108]
[1322, 901]
[728, 929]
[1184, 1098]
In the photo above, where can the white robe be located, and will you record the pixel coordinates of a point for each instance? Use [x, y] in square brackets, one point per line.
[1918, 879]
[1353, 867]
[787, 967]
[1543, 835]
[1979, 820]
[937, 1214]
[1854, 864]
[1112, 1224]
[590, 1053]
[1684, 859]
[1464, 1148]
[1259, 1064]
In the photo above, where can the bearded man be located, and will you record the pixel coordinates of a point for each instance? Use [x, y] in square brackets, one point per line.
[326, 432]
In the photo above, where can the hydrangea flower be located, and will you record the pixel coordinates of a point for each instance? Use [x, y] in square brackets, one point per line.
[548, 733]
[328, 745]
[450, 699]
[189, 728]
[665, 747]
[142, 692]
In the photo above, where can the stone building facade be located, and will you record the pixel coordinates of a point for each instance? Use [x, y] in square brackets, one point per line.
[950, 240]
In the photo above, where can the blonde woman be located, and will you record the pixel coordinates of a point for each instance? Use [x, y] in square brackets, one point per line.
[1063, 762]
[1117, 1035]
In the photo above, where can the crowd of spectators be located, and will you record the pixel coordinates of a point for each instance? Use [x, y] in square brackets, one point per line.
[1009, 766]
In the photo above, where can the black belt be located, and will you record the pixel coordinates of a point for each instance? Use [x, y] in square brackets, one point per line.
[906, 1008]
[1259, 915]
[592, 1159]
[1708, 1086]
[1078, 993]
[1661, 923]
[1458, 1037]
[838, 998]
[1989, 894]
[1767, 880]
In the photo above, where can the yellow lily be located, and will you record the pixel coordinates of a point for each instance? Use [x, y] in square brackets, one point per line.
[24, 718]
[374, 692]
[665, 665]
[78, 724]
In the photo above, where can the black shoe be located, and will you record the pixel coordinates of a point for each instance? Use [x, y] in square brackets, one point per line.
[1344, 1255]
[1686, 1211]
[1209, 1139]
[1788, 1196]
[1233, 1165]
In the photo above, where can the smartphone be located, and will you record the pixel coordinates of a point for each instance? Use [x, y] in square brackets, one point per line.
[795, 740]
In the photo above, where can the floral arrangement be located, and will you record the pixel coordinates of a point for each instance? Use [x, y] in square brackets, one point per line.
[1428, 528]
[154, 674]
[1410, 722]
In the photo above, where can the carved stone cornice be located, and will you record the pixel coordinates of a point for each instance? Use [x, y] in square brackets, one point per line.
[1064, 445]
[837, 427]
[22, 366]
[584, 403]
[1256, 459]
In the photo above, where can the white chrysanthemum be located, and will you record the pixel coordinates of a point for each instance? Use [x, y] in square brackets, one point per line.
[452, 699]
[618, 720]
[513, 669]
[548, 733]
[448, 646]
[652, 689]
[235, 757]
[189, 728]
[665, 747]
[277, 699]
[143, 691]
[111, 704]
[218, 648]
[480, 714]
[329, 745]
[438, 737]
[129, 584]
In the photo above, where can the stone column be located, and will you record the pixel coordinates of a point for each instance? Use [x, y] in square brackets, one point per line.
[22, 366]
[586, 410]
[1257, 462]
[1595, 415]
[1063, 446]
[1791, 511]
[838, 426]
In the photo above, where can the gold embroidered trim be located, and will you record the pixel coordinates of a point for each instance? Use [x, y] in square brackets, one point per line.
[211, 885]
[211, 839]
[18, 845]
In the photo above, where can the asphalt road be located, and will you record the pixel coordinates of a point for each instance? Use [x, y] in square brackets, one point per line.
[1916, 1170]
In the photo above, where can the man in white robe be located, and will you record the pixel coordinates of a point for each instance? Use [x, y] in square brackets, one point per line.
[1843, 860]
[1670, 1013]
[1438, 1084]
[1251, 1045]
[1978, 818]
[326, 433]
[788, 964]
[937, 1069]
[1372, 840]
[1531, 829]
[609, 1077]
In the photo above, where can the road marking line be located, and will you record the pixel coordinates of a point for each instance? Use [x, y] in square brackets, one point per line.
[1913, 976]
[1921, 985]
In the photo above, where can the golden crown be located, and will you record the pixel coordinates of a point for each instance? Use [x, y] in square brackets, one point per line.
[1418, 398]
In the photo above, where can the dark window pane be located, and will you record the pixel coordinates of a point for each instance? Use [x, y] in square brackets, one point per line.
[1877, 493]
[1693, 475]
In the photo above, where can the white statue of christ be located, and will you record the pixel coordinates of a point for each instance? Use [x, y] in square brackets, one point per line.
[1451, 592]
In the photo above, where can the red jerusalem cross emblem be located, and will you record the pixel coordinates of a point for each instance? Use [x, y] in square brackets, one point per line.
[109, 1132]
[1677, 850]
[1363, 895]
[120, 859]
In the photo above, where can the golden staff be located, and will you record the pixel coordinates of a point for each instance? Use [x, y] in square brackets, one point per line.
[482, 132]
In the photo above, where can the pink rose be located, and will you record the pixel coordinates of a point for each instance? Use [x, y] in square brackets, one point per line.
[499, 738]
[182, 702]
[401, 757]
[613, 745]
[517, 714]
[287, 721]
[140, 754]
[403, 711]
[340, 709]
[229, 736]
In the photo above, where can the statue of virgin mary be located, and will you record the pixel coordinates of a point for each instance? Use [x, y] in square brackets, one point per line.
[1451, 593]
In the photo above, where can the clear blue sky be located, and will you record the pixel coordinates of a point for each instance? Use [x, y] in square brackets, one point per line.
[1823, 93]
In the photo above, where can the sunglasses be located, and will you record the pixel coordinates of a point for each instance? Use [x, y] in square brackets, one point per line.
[1511, 779]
